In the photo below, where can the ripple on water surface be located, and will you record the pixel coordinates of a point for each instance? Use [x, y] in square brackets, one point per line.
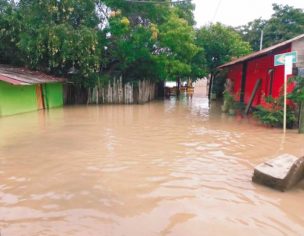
[165, 168]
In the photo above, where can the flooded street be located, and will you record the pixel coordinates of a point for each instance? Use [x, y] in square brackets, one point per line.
[177, 168]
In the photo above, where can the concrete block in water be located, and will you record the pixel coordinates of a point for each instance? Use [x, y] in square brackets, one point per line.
[281, 173]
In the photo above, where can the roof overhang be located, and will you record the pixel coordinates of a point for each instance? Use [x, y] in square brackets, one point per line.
[23, 76]
[262, 52]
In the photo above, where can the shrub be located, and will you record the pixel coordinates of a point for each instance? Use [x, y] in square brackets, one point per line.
[228, 101]
[272, 113]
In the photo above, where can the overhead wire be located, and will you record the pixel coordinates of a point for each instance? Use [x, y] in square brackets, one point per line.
[156, 2]
[216, 10]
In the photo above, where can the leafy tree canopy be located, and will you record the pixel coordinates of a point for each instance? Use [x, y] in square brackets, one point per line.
[221, 44]
[176, 47]
[93, 39]
[285, 23]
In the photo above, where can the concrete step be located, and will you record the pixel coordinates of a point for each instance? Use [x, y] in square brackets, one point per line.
[281, 173]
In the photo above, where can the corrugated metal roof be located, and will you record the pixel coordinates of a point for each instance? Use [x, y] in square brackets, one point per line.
[262, 52]
[23, 76]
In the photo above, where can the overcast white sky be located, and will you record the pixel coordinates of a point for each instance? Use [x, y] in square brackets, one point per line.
[237, 12]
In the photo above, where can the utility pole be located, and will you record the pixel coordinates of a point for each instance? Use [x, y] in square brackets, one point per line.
[261, 40]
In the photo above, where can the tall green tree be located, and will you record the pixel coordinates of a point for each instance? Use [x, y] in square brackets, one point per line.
[128, 48]
[221, 44]
[176, 48]
[95, 40]
[285, 23]
[150, 44]
[251, 32]
[59, 35]
[10, 28]
[185, 11]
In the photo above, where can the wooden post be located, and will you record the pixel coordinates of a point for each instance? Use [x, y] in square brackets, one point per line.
[178, 87]
[301, 120]
[160, 89]
[255, 89]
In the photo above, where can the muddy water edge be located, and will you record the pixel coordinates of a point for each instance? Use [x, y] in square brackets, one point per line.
[164, 168]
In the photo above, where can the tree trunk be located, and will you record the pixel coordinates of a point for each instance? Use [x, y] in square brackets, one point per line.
[301, 120]
[210, 86]
[160, 89]
[178, 87]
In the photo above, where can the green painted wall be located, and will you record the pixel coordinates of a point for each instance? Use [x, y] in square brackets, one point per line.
[17, 99]
[53, 95]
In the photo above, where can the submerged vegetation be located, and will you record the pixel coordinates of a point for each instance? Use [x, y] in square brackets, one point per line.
[271, 112]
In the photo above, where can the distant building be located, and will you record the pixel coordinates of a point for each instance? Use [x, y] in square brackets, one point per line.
[22, 90]
[247, 70]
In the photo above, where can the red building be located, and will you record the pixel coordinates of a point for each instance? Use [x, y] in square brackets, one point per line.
[247, 70]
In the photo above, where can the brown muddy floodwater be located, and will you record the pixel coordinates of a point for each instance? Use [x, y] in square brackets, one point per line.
[166, 168]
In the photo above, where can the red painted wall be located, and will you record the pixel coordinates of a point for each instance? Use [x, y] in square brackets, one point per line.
[235, 74]
[259, 68]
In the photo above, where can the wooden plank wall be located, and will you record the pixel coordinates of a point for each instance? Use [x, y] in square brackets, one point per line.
[119, 93]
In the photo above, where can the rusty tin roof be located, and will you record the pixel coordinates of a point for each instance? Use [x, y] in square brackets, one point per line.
[23, 76]
[262, 52]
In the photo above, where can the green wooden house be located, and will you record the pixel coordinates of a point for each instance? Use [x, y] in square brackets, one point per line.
[22, 90]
